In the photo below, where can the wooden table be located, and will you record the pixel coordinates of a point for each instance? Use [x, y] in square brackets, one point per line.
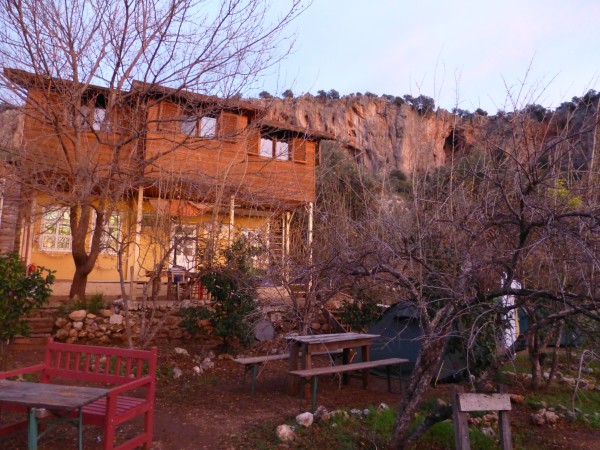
[58, 399]
[304, 346]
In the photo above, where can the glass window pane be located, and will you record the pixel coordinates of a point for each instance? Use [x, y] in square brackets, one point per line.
[188, 124]
[208, 127]
[266, 147]
[282, 151]
[64, 243]
[48, 242]
[99, 116]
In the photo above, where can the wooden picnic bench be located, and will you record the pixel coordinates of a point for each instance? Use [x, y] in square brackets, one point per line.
[254, 363]
[129, 373]
[314, 373]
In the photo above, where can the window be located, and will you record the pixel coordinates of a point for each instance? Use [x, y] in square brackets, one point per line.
[189, 125]
[99, 118]
[198, 126]
[55, 233]
[109, 240]
[266, 147]
[94, 117]
[282, 150]
[208, 127]
[277, 148]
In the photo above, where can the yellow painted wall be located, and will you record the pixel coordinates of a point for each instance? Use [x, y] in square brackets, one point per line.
[151, 250]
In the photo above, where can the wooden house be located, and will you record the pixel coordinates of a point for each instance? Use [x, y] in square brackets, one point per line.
[173, 169]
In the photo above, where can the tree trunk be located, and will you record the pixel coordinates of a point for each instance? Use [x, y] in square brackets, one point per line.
[78, 284]
[84, 260]
[425, 368]
[534, 358]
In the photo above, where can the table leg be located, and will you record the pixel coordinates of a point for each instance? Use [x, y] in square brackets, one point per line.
[80, 428]
[307, 364]
[32, 434]
[347, 352]
[366, 356]
[293, 365]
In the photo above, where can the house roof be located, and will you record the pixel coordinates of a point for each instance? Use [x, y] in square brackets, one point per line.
[28, 79]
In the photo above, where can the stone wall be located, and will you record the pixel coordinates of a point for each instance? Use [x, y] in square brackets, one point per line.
[108, 326]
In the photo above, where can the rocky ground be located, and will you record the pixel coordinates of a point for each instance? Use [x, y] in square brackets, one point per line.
[201, 404]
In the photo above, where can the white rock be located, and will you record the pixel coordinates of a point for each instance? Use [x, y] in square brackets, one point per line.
[305, 419]
[207, 364]
[78, 316]
[488, 431]
[197, 370]
[78, 326]
[551, 417]
[177, 372]
[384, 406]
[285, 433]
[181, 351]
[116, 319]
[538, 418]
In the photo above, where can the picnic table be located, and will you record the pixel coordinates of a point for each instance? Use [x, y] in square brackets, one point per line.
[61, 401]
[302, 347]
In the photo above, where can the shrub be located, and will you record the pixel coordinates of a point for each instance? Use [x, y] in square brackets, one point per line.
[20, 294]
[361, 312]
[232, 287]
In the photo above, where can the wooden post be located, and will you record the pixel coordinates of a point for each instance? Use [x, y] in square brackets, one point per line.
[231, 218]
[131, 284]
[504, 425]
[461, 427]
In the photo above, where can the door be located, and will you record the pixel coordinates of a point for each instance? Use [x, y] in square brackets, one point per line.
[184, 246]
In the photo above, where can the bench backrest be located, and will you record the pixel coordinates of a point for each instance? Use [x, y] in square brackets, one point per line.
[97, 364]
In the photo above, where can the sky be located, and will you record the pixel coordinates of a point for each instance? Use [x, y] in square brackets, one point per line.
[463, 53]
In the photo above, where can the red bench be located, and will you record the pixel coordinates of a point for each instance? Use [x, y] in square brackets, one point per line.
[130, 375]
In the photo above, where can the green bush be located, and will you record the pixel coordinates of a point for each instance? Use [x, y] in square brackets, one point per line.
[93, 304]
[20, 294]
[232, 304]
[362, 311]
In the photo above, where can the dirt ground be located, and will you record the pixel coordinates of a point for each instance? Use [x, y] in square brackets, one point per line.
[206, 411]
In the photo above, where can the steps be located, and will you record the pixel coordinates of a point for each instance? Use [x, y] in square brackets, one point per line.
[40, 329]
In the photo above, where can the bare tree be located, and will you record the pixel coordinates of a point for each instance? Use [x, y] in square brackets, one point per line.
[96, 67]
[520, 206]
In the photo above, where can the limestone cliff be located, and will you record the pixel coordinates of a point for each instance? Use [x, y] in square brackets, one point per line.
[380, 134]
[384, 135]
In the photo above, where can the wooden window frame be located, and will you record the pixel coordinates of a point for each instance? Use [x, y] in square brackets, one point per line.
[274, 144]
[197, 123]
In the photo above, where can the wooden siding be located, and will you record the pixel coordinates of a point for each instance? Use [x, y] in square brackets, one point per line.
[230, 161]
[51, 144]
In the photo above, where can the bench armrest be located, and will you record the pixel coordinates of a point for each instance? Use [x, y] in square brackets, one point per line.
[22, 371]
[131, 385]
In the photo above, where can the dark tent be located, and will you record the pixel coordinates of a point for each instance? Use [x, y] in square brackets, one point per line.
[400, 337]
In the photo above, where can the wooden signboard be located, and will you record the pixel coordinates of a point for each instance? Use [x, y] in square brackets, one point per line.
[483, 402]
[463, 403]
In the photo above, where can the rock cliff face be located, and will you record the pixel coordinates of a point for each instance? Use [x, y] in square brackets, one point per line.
[381, 135]
[384, 136]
